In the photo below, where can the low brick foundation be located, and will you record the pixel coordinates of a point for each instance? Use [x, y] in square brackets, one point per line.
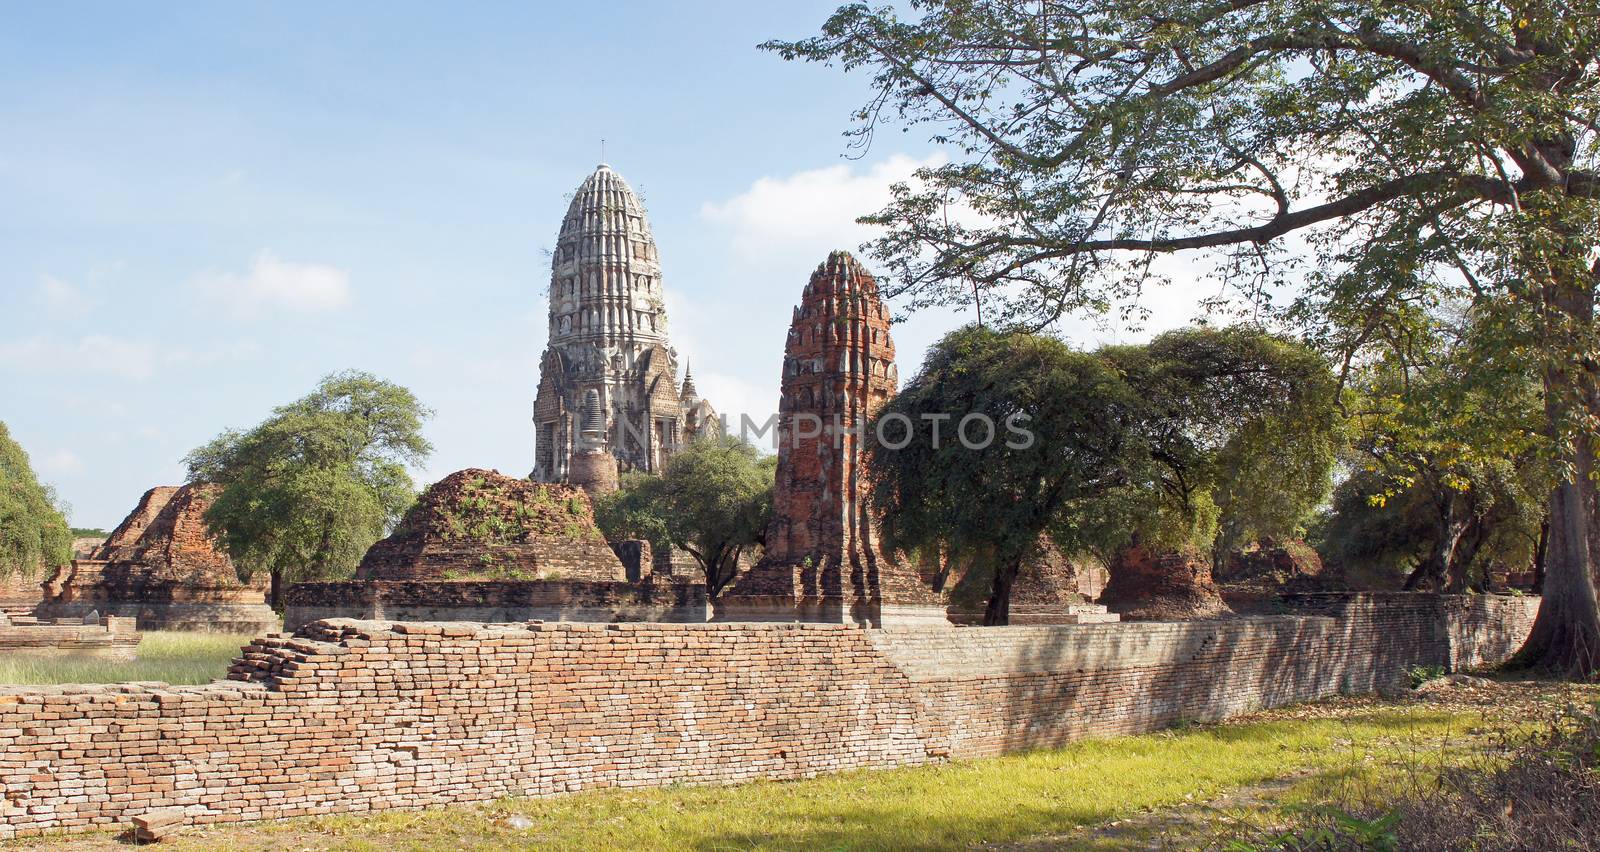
[359, 716]
[110, 638]
[497, 601]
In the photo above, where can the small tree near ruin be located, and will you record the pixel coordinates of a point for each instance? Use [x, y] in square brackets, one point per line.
[306, 492]
[712, 500]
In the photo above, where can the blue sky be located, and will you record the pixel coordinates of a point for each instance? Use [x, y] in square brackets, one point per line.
[205, 208]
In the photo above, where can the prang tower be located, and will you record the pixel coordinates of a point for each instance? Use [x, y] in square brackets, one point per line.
[824, 560]
[608, 398]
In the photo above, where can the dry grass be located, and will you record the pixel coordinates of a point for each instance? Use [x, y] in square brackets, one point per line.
[176, 658]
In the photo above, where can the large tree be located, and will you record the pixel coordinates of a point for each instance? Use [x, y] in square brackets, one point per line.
[1238, 430]
[1409, 145]
[712, 499]
[988, 446]
[306, 492]
[33, 533]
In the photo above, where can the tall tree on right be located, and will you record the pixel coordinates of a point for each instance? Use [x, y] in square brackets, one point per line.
[1415, 147]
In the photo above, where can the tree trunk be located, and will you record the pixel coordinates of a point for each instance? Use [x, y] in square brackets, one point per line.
[275, 590]
[1435, 569]
[1466, 552]
[1565, 639]
[1539, 549]
[998, 613]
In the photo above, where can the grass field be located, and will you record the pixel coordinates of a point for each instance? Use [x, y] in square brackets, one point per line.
[175, 658]
[1183, 787]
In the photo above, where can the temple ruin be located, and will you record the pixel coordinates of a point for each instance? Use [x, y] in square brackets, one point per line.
[1050, 588]
[608, 397]
[824, 560]
[482, 546]
[161, 567]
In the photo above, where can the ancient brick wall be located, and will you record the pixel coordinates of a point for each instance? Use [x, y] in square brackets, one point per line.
[662, 599]
[358, 716]
[991, 691]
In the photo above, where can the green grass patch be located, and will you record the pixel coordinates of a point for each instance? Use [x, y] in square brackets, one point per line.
[945, 806]
[173, 657]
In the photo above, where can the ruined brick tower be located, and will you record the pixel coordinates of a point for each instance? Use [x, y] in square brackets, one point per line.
[824, 560]
[608, 337]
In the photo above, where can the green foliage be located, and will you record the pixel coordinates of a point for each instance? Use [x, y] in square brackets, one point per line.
[943, 496]
[89, 532]
[1238, 432]
[1203, 437]
[713, 499]
[1448, 468]
[1419, 674]
[33, 530]
[306, 492]
[1402, 140]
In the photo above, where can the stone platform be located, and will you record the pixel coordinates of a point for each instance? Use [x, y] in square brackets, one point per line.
[497, 601]
[109, 637]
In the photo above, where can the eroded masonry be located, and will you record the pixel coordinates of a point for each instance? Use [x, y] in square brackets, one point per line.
[355, 716]
[161, 567]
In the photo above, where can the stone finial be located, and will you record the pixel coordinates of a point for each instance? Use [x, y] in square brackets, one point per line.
[689, 394]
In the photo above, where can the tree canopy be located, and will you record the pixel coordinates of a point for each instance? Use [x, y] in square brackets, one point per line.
[713, 500]
[1058, 433]
[306, 492]
[1238, 430]
[33, 532]
[1203, 437]
[1446, 456]
[1405, 148]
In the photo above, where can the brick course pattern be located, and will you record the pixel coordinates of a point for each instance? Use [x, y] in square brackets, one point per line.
[824, 560]
[653, 598]
[355, 716]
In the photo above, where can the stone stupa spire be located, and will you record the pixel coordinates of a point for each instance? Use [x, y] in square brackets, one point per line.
[608, 336]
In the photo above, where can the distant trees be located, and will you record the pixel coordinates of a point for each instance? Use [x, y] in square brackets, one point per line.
[33, 532]
[1447, 461]
[1411, 148]
[712, 499]
[307, 491]
[1203, 437]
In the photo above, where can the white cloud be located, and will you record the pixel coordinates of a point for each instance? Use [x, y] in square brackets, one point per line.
[61, 462]
[273, 283]
[95, 353]
[63, 299]
[813, 210]
[119, 357]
